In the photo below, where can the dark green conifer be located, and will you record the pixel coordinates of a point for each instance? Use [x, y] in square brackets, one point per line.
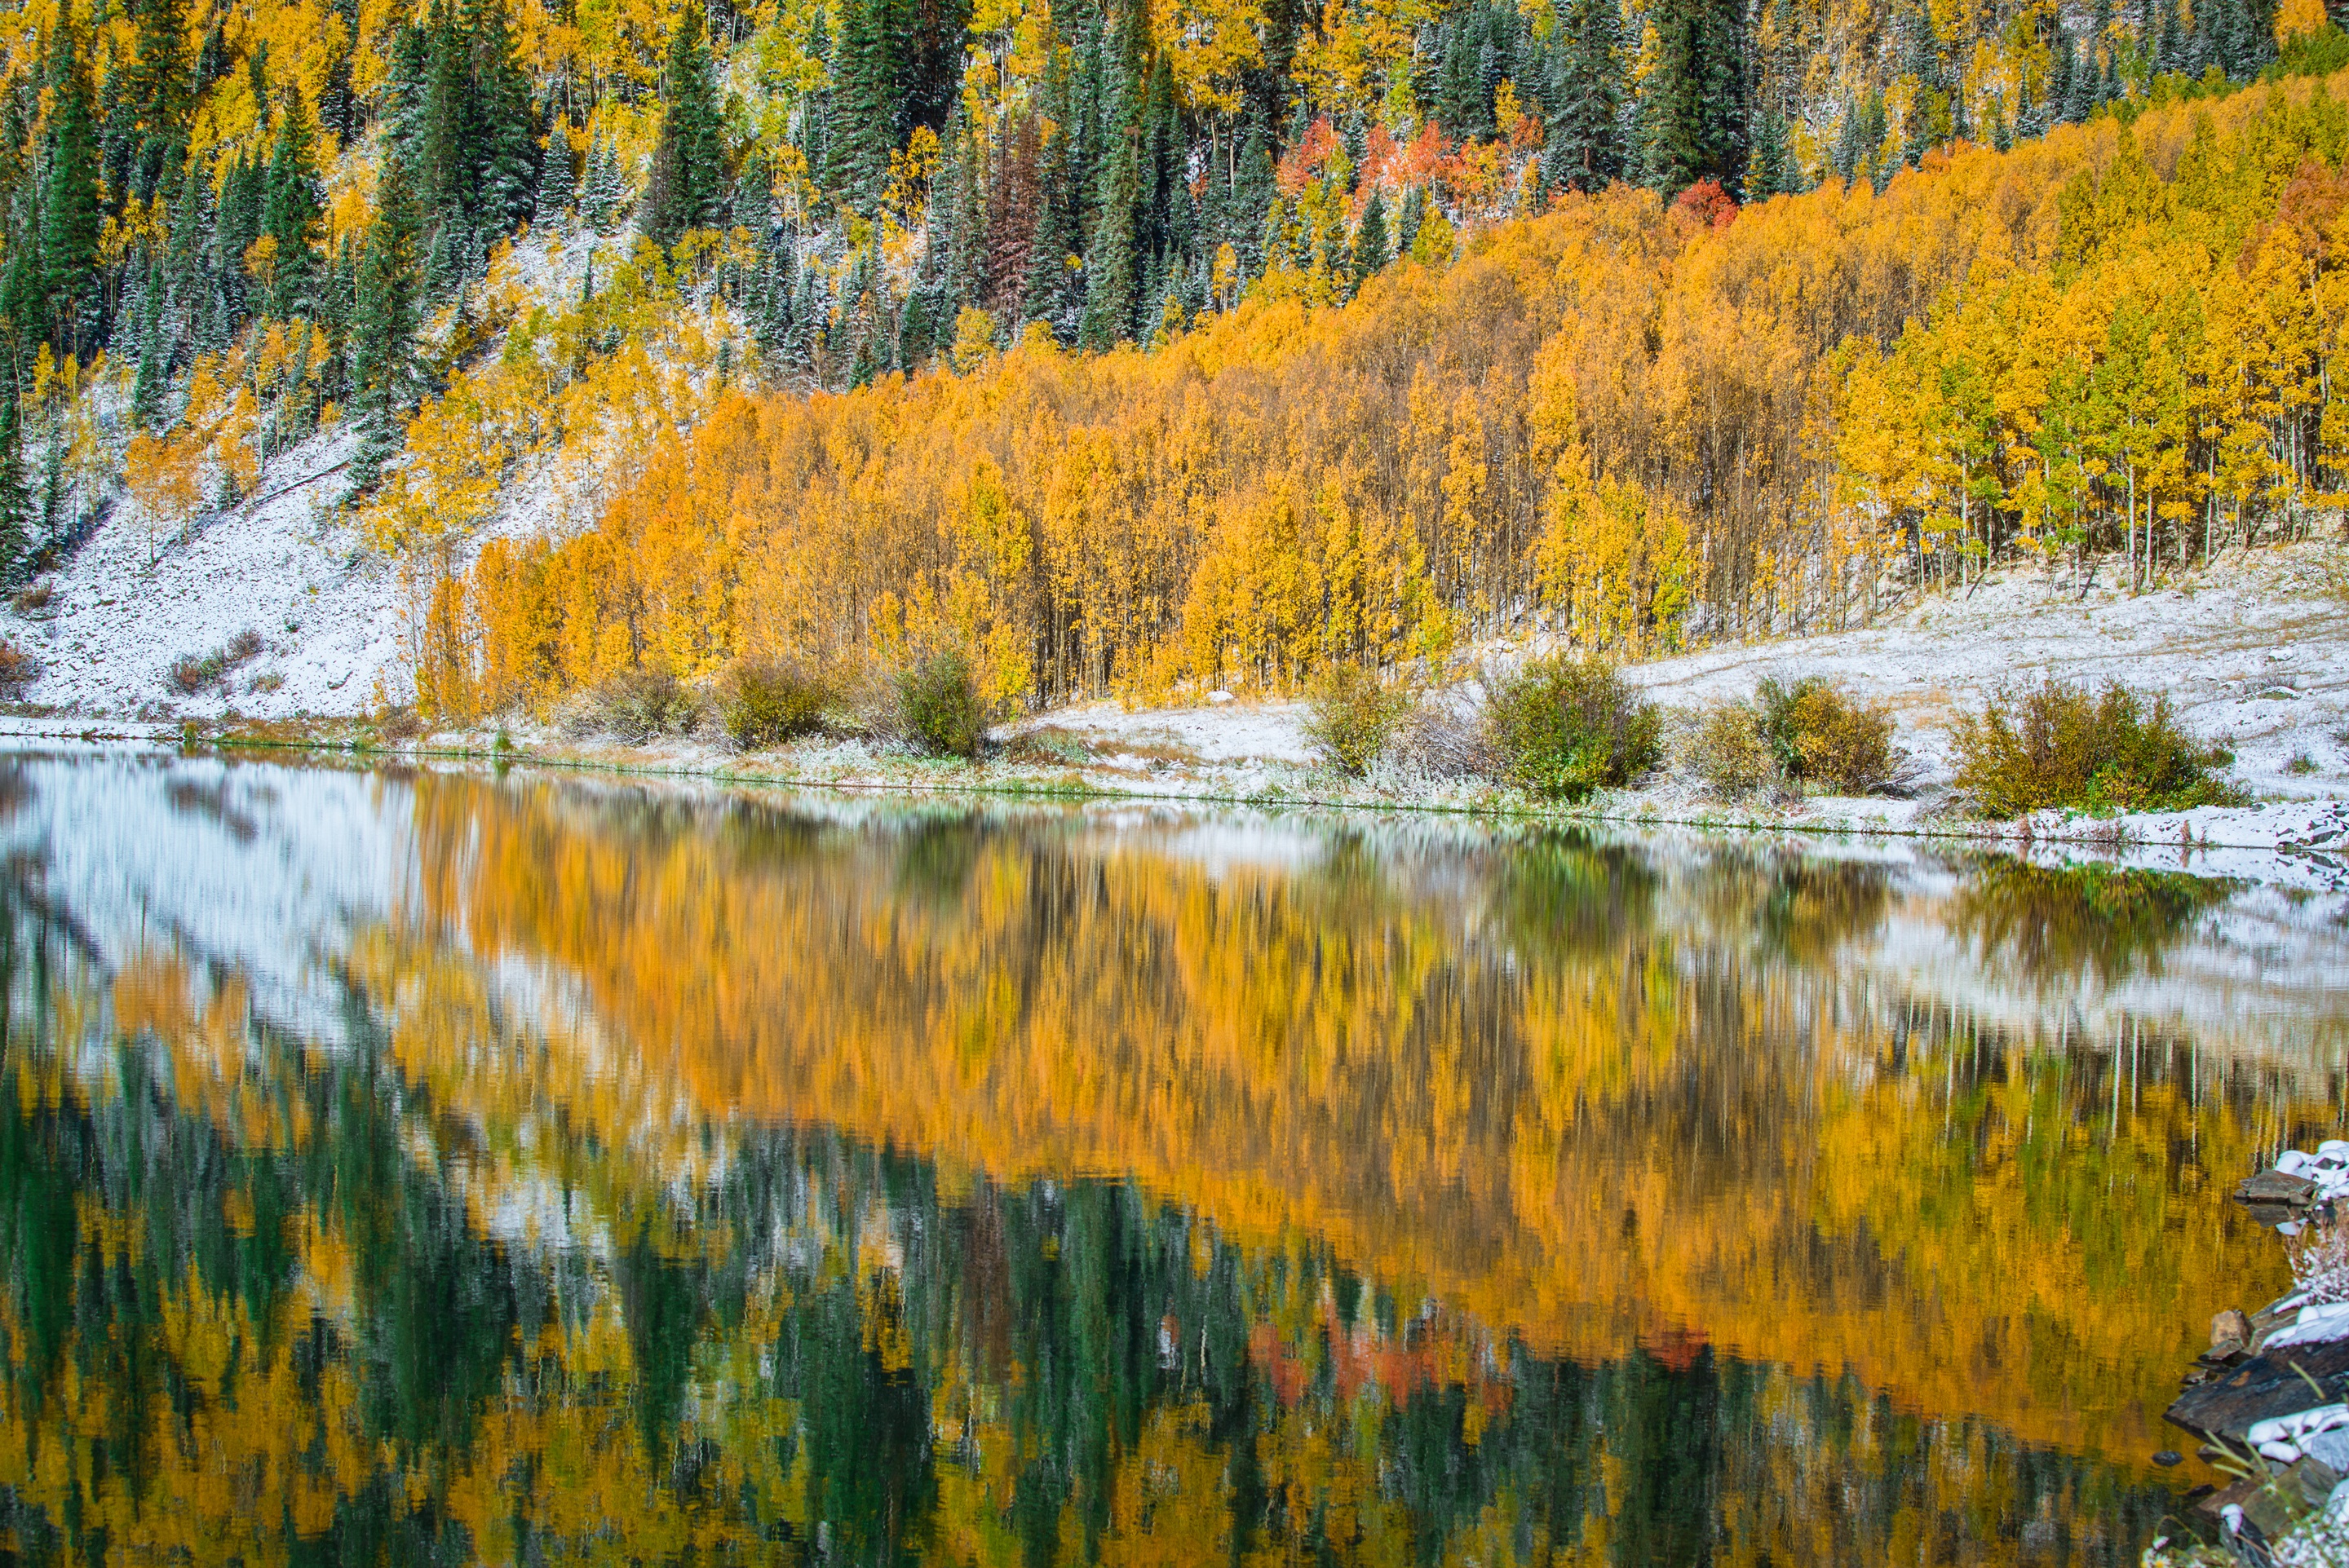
[1693, 103]
[690, 162]
[1113, 282]
[70, 218]
[1585, 150]
[1371, 251]
[15, 503]
[383, 371]
[292, 212]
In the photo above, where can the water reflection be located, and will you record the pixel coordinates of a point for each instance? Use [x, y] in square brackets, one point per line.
[616, 1175]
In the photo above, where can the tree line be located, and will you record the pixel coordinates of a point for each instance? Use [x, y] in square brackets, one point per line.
[173, 181]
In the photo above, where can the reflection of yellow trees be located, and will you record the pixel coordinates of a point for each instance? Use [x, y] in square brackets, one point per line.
[1378, 1080]
[1540, 1105]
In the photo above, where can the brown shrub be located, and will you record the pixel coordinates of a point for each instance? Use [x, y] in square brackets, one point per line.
[18, 671]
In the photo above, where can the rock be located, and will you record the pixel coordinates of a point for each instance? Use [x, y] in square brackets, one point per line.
[1220, 698]
[2230, 1330]
[2276, 1187]
[2168, 1457]
[2224, 1409]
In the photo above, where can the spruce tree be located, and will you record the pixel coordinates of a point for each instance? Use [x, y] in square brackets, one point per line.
[690, 162]
[1693, 103]
[1585, 150]
[384, 325]
[443, 162]
[551, 205]
[505, 166]
[1370, 252]
[70, 218]
[1113, 282]
[15, 504]
[156, 87]
[292, 212]
[1411, 219]
[154, 353]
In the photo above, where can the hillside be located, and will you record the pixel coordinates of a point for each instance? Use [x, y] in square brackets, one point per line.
[471, 357]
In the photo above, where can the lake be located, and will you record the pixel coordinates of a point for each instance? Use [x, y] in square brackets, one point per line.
[410, 1166]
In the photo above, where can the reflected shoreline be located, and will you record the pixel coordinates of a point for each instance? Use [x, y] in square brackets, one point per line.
[1826, 1134]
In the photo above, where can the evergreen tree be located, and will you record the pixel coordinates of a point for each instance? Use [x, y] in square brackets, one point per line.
[1694, 108]
[1772, 171]
[1585, 150]
[505, 172]
[1410, 220]
[155, 90]
[154, 353]
[1370, 252]
[292, 212]
[442, 165]
[15, 504]
[69, 206]
[384, 325]
[690, 163]
[551, 205]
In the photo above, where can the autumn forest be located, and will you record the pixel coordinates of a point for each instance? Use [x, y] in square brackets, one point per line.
[1136, 348]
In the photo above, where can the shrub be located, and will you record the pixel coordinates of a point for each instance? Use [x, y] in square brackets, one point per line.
[1821, 734]
[635, 706]
[1728, 750]
[1437, 742]
[18, 671]
[1561, 728]
[765, 703]
[2300, 766]
[939, 707]
[191, 674]
[35, 597]
[1352, 718]
[2057, 743]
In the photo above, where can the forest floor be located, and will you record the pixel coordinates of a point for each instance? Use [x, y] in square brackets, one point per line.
[2254, 650]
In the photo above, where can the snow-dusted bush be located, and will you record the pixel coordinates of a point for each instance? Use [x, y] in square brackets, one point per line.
[1727, 749]
[2057, 743]
[1822, 733]
[1353, 718]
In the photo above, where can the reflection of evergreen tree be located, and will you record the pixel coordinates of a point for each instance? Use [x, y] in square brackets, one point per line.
[829, 1305]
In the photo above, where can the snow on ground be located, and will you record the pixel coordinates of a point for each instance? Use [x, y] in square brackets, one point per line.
[285, 565]
[2254, 651]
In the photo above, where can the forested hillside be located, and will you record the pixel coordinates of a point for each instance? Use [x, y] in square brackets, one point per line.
[1213, 337]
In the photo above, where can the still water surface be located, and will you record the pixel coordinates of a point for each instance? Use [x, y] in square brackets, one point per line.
[430, 1168]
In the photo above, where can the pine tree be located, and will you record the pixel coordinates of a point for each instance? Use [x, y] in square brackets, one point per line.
[690, 163]
[156, 88]
[1113, 283]
[551, 205]
[15, 504]
[292, 212]
[505, 167]
[70, 215]
[1694, 108]
[443, 167]
[1370, 252]
[1772, 171]
[1585, 151]
[154, 353]
[1411, 219]
[384, 325]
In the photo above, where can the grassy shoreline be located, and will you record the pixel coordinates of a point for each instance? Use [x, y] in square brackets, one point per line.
[1286, 787]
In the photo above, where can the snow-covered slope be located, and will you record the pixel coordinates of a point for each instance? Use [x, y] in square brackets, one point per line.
[286, 566]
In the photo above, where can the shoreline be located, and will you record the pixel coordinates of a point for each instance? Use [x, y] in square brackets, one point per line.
[2301, 842]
